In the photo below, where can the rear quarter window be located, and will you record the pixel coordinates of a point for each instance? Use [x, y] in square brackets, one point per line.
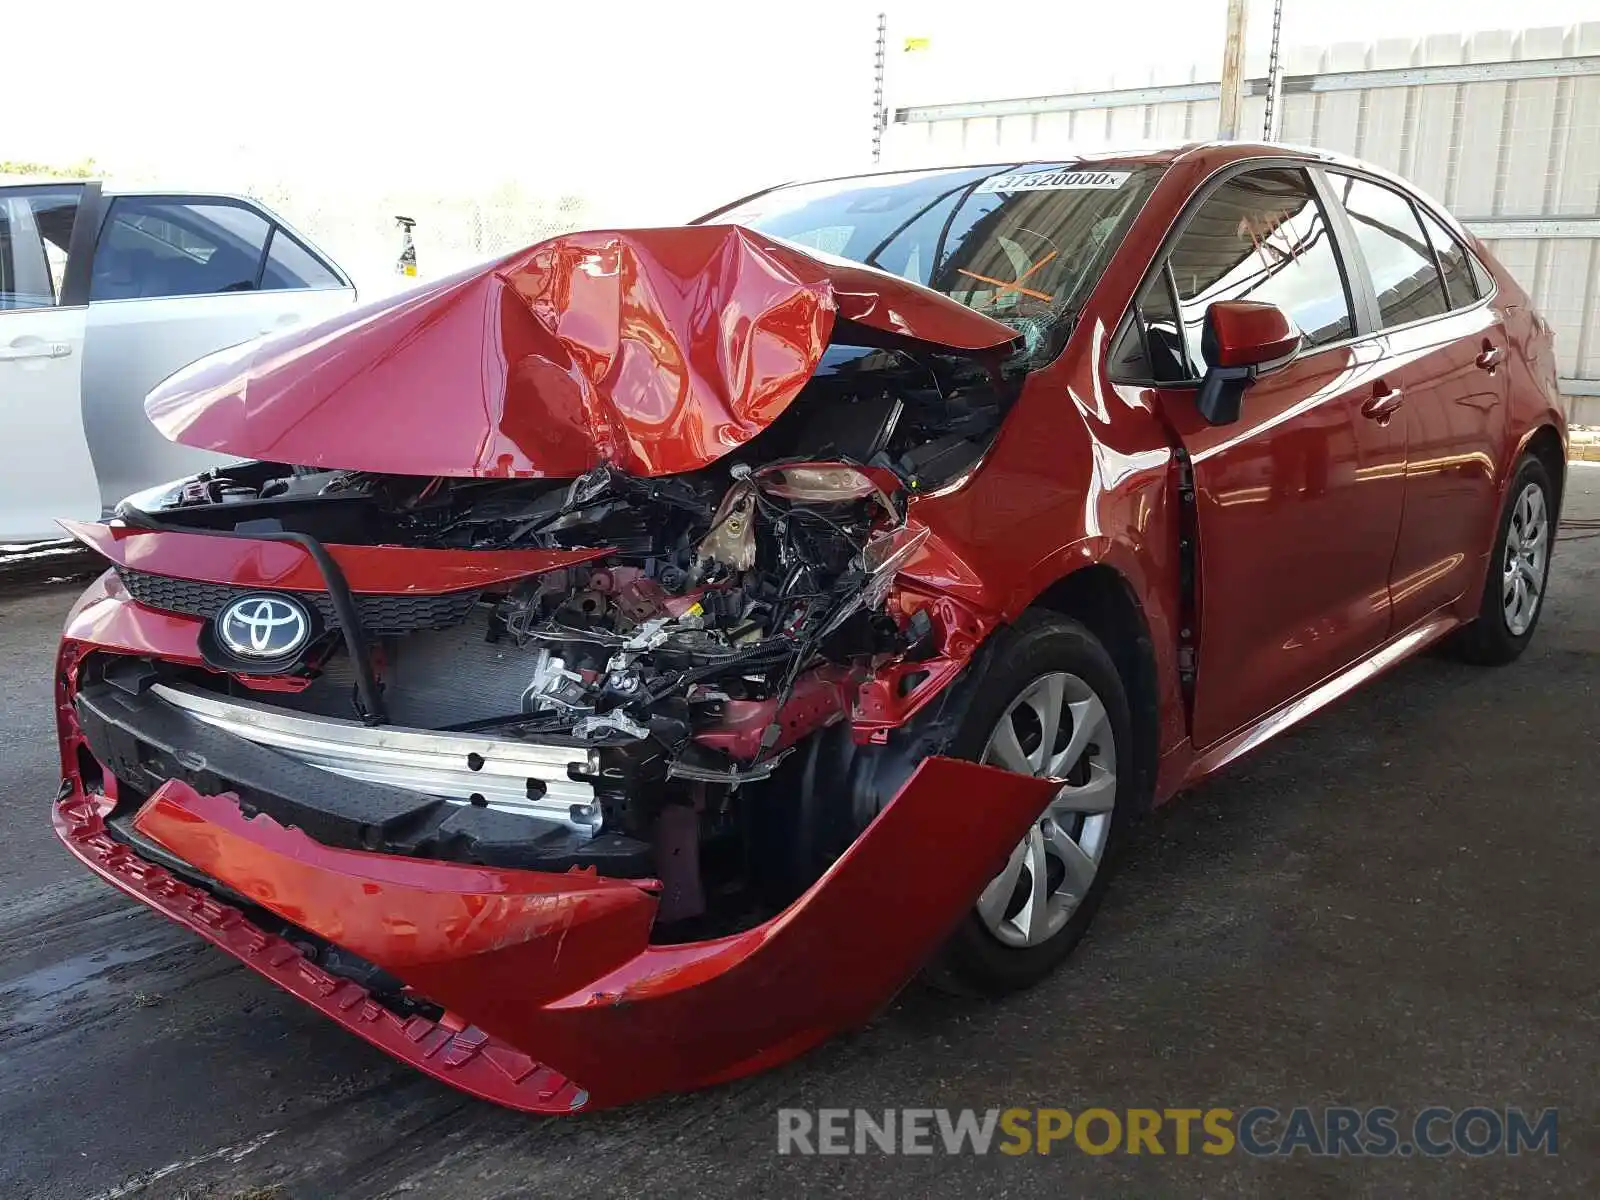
[290, 265]
[1455, 262]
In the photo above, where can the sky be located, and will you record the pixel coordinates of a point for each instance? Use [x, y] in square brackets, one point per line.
[660, 110]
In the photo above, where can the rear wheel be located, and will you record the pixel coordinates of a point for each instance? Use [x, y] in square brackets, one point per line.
[1519, 568]
[1051, 703]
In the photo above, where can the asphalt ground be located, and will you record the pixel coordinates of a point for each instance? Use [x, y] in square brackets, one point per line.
[1394, 904]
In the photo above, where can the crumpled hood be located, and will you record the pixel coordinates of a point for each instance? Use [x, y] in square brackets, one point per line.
[657, 350]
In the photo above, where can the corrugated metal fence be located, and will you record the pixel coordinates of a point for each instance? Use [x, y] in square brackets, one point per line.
[1503, 127]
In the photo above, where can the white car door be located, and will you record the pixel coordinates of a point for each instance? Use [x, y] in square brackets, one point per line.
[175, 278]
[45, 467]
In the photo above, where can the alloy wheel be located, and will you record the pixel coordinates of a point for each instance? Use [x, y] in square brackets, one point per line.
[1527, 555]
[1058, 727]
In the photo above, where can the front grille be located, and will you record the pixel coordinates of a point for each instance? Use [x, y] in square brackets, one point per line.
[380, 615]
[431, 678]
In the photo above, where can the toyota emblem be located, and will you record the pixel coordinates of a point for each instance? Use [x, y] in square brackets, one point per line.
[264, 627]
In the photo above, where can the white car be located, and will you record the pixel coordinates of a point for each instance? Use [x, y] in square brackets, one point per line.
[104, 295]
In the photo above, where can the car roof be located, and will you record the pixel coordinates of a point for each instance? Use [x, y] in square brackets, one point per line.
[208, 193]
[1208, 155]
[8, 181]
[1214, 153]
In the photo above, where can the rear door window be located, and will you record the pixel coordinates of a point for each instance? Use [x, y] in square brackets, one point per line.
[1398, 254]
[154, 247]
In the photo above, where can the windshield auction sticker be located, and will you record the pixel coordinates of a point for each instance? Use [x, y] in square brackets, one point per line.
[1056, 181]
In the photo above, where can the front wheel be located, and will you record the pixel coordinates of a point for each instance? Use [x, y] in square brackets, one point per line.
[1519, 569]
[1051, 703]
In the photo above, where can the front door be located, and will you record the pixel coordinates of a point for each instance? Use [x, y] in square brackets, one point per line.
[1299, 506]
[1299, 502]
[45, 470]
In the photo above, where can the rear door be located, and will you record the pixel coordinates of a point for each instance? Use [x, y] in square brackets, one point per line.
[1444, 343]
[1298, 503]
[175, 278]
[45, 469]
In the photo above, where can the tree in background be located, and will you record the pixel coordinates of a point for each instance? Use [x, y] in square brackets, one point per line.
[79, 170]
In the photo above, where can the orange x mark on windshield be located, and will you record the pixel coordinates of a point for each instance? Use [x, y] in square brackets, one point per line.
[1001, 287]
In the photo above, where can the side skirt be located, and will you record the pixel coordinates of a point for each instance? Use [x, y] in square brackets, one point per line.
[1421, 635]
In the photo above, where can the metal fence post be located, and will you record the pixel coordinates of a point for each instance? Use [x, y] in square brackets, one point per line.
[880, 117]
[1272, 121]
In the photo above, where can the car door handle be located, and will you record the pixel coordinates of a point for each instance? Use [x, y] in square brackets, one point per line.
[48, 350]
[1385, 402]
[1491, 356]
[285, 321]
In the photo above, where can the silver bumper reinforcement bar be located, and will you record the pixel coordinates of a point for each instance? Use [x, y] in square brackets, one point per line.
[513, 776]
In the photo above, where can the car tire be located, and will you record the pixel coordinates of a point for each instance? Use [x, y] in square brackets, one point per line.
[1494, 638]
[1040, 646]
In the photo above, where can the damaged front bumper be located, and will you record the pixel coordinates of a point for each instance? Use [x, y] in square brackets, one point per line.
[544, 990]
[497, 801]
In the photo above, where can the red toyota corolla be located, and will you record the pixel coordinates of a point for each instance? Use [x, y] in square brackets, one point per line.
[624, 665]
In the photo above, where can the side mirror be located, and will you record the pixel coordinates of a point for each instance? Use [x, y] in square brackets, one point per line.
[1241, 340]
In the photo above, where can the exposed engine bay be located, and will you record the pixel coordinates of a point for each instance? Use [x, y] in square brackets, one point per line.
[721, 618]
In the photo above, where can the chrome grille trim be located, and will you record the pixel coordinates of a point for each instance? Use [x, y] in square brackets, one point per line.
[419, 760]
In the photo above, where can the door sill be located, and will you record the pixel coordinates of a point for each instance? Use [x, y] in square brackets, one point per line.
[1421, 635]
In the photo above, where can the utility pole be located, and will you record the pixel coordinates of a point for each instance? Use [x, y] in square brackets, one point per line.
[1274, 116]
[880, 118]
[1229, 119]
